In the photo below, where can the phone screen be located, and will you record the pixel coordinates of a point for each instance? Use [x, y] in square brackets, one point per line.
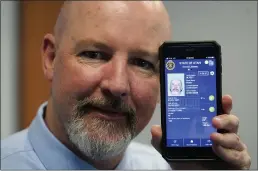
[190, 101]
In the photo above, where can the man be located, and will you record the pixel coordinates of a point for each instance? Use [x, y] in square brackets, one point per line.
[102, 64]
[176, 87]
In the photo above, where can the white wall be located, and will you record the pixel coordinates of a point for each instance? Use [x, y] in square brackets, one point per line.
[9, 66]
[234, 26]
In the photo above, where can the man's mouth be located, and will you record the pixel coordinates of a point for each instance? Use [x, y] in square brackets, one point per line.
[107, 113]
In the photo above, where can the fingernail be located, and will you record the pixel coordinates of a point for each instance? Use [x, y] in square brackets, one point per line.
[229, 96]
[156, 125]
[218, 119]
[155, 129]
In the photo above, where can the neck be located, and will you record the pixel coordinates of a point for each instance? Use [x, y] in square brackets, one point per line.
[56, 128]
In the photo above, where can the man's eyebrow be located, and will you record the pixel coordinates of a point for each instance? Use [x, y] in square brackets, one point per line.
[82, 44]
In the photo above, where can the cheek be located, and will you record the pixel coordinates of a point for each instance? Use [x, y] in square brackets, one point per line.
[145, 92]
[73, 79]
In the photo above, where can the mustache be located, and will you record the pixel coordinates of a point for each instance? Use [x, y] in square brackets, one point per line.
[83, 106]
[108, 104]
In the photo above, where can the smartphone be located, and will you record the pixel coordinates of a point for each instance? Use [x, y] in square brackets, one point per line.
[191, 95]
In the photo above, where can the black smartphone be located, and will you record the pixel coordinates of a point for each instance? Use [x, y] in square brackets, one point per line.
[191, 95]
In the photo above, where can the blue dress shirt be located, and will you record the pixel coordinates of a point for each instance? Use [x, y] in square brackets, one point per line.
[37, 148]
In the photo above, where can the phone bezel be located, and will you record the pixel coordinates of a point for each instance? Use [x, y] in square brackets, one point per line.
[184, 49]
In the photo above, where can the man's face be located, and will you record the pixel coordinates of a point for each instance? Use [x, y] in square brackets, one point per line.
[176, 87]
[105, 82]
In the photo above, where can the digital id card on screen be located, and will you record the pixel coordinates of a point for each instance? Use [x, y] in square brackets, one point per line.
[190, 101]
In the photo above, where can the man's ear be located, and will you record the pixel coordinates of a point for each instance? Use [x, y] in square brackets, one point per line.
[48, 53]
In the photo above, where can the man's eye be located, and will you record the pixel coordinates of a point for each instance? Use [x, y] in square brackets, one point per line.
[93, 55]
[143, 64]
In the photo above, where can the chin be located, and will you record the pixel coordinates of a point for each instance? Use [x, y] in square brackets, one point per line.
[104, 128]
[99, 139]
[98, 136]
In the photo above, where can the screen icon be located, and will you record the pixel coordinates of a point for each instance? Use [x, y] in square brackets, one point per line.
[211, 63]
[206, 142]
[212, 73]
[204, 118]
[170, 65]
[211, 97]
[175, 142]
[206, 62]
[192, 142]
[205, 124]
[211, 109]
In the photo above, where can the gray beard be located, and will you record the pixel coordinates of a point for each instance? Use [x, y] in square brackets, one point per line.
[98, 139]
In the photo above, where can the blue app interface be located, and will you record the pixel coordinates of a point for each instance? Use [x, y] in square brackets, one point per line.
[190, 101]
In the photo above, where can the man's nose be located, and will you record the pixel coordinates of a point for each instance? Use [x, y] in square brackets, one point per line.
[115, 81]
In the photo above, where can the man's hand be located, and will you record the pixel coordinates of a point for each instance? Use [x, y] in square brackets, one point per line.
[227, 146]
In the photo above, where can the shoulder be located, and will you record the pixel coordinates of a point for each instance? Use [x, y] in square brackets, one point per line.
[14, 144]
[17, 153]
[141, 156]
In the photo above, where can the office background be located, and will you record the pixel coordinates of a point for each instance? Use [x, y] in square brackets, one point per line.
[232, 24]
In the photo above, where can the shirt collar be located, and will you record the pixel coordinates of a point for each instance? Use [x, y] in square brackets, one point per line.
[51, 152]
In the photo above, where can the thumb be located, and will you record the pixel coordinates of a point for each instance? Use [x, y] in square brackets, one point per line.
[156, 133]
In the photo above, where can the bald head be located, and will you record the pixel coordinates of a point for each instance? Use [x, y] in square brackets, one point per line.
[88, 11]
